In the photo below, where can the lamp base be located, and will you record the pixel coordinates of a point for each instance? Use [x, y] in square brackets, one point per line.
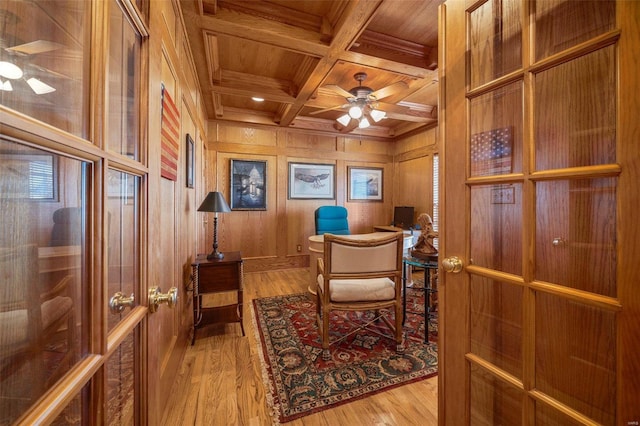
[215, 255]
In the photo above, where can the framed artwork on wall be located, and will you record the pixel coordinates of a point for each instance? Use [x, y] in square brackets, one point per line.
[248, 185]
[312, 181]
[364, 183]
[190, 154]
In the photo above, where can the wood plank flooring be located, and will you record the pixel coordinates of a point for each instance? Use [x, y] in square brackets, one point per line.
[220, 382]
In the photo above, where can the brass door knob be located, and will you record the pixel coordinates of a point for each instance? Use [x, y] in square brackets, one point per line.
[156, 297]
[452, 264]
[119, 301]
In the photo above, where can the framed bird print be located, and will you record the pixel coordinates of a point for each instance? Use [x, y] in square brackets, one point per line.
[312, 181]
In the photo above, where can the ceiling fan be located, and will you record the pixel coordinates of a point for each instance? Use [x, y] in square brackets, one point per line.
[14, 66]
[363, 103]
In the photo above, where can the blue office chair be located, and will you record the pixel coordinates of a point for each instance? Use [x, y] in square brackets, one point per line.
[332, 219]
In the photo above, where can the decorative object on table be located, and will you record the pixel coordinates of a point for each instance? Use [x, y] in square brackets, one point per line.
[214, 202]
[312, 181]
[190, 164]
[365, 183]
[424, 248]
[359, 275]
[169, 137]
[299, 382]
[332, 219]
[248, 185]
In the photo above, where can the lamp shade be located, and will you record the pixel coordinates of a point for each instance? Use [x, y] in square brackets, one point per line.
[344, 119]
[214, 202]
[377, 115]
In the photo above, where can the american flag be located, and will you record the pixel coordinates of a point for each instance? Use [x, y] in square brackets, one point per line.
[491, 152]
[169, 137]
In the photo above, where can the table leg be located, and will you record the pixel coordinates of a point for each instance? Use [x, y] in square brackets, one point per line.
[404, 292]
[427, 304]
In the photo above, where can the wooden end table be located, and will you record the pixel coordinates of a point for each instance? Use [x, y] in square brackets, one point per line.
[216, 276]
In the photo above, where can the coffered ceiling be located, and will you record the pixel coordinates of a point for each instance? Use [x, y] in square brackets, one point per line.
[293, 54]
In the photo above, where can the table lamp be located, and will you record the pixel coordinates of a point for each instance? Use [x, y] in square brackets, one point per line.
[215, 202]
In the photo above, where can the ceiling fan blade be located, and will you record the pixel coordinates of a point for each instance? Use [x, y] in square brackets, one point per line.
[339, 90]
[328, 109]
[391, 89]
[35, 47]
[386, 107]
[48, 71]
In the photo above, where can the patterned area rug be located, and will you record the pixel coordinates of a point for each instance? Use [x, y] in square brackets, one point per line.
[300, 383]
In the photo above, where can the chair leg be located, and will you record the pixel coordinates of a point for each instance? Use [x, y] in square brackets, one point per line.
[399, 331]
[326, 353]
[322, 316]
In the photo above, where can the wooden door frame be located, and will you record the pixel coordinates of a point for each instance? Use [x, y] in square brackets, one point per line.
[451, 372]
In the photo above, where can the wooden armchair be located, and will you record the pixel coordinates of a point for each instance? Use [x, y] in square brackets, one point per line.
[360, 275]
[32, 321]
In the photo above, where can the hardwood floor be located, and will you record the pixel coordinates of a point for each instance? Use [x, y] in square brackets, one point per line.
[220, 382]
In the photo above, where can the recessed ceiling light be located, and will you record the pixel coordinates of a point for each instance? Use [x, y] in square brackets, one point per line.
[257, 99]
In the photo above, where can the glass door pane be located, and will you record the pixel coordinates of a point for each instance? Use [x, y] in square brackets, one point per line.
[123, 236]
[43, 61]
[44, 285]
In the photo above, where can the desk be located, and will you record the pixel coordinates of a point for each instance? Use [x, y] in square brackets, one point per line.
[60, 258]
[427, 265]
[316, 250]
[216, 276]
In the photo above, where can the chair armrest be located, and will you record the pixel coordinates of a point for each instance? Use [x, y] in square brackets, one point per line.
[320, 266]
[60, 289]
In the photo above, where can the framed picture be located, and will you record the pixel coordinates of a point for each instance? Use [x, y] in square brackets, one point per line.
[365, 183]
[248, 185]
[312, 181]
[190, 161]
[122, 185]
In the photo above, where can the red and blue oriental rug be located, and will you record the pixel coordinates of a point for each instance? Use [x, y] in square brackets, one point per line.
[299, 382]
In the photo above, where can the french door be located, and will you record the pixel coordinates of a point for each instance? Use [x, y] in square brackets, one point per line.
[73, 176]
[539, 236]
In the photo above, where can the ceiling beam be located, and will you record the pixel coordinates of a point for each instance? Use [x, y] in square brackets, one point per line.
[353, 20]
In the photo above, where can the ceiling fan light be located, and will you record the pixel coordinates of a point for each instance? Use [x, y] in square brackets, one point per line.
[344, 119]
[6, 86]
[355, 112]
[377, 115]
[9, 70]
[364, 123]
[39, 87]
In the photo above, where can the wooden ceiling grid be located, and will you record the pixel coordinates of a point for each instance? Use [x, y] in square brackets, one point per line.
[288, 51]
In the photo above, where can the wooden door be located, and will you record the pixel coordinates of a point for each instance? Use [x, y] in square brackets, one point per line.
[540, 174]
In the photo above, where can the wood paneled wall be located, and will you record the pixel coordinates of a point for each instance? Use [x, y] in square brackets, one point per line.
[278, 237]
